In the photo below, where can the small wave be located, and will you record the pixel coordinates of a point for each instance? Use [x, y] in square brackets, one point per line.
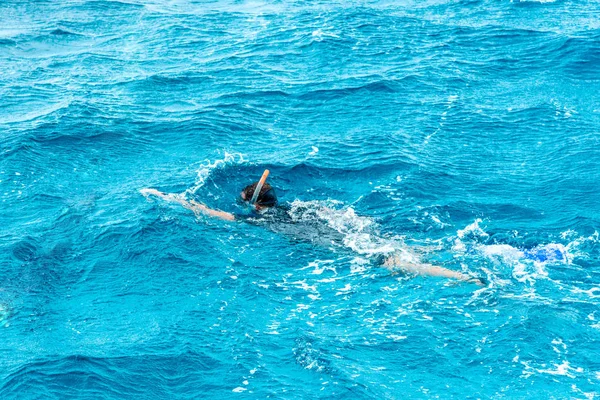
[319, 38]
[207, 167]
[7, 42]
[310, 357]
[382, 86]
[68, 374]
[112, 5]
[469, 231]
[581, 246]
[63, 32]
[39, 113]
[28, 249]
[255, 94]
[537, 1]
[580, 57]
[334, 172]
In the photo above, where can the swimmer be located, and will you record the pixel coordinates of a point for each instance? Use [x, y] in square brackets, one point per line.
[261, 197]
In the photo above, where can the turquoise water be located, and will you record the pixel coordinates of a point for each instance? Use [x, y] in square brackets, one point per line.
[466, 130]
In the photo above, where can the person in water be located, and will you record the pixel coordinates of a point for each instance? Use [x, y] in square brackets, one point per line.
[262, 198]
[266, 200]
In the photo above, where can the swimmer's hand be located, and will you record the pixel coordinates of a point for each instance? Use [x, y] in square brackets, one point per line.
[167, 196]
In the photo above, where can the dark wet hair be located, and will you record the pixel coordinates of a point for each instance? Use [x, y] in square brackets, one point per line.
[266, 197]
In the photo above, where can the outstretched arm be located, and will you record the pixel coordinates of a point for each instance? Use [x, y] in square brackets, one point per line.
[193, 205]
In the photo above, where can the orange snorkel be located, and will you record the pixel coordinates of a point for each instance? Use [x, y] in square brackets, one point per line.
[259, 186]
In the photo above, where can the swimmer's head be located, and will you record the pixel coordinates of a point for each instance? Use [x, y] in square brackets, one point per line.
[266, 198]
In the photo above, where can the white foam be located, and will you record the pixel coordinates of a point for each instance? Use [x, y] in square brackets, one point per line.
[438, 221]
[592, 293]
[573, 248]
[273, 328]
[305, 286]
[473, 228]
[563, 369]
[359, 233]
[319, 35]
[319, 266]
[207, 167]
[527, 265]
[505, 251]
[537, 1]
[346, 288]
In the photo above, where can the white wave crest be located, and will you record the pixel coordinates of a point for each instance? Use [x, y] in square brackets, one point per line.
[473, 229]
[207, 167]
[470, 230]
[576, 247]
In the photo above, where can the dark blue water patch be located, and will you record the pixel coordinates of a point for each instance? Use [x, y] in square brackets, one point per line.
[7, 42]
[63, 32]
[172, 82]
[581, 57]
[72, 375]
[115, 7]
[261, 95]
[332, 94]
[489, 36]
[26, 250]
[535, 4]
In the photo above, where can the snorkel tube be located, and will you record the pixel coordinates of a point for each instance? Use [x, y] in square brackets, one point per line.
[259, 186]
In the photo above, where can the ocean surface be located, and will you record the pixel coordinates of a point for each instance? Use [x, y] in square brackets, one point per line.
[465, 131]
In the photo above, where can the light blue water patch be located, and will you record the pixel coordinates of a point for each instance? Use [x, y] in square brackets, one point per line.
[463, 133]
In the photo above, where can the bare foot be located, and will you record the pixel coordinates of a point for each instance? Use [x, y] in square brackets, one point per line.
[478, 281]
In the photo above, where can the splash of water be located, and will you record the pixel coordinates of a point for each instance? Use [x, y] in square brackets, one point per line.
[359, 233]
[527, 264]
[207, 167]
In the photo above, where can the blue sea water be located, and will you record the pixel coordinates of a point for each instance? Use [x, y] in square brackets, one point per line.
[466, 130]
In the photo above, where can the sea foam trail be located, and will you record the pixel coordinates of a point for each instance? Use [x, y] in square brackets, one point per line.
[358, 233]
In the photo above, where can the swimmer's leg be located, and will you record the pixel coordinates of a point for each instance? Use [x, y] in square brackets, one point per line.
[395, 264]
